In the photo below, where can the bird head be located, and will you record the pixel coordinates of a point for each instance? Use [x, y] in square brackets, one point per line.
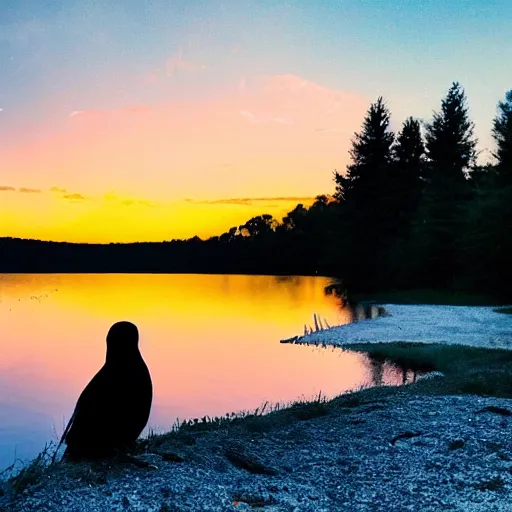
[122, 338]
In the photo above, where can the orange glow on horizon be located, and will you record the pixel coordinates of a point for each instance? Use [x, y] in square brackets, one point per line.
[128, 220]
[124, 174]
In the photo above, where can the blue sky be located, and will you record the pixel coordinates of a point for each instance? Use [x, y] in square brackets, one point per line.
[408, 51]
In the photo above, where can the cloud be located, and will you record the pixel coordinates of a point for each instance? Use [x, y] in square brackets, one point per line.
[328, 130]
[109, 197]
[112, 197]
[292, 83]
[181, 145]
[146, 203]
[135, 202]
[137, 109]
[248, 115]
[249, 201]
[74, 197]
[291, 100]
[287, 86]
[70, 196]
[176, 61]
[23, 190]
[30, 190]
[264, 120]
[281, 120]
[150, 78]
[98, 113]
[173, 63]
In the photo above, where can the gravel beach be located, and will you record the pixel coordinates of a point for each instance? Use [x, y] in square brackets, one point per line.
[396, 452]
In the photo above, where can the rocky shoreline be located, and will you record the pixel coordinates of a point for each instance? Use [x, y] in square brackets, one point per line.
[380, 449]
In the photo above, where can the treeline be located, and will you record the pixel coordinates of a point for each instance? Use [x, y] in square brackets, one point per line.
[296, 246]
[413, 210]
[245, 256]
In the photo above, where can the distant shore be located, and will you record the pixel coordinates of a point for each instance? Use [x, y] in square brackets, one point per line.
[194, 256]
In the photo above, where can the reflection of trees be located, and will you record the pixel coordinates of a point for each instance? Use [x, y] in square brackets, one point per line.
[378, 362]
[359, 312]
[295, 281]
[377, 371]
[405, 372]
[408, 370]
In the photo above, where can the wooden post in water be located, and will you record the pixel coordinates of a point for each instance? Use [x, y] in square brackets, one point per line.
[316, 322]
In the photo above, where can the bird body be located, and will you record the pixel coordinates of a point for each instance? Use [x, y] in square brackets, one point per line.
[114, 407]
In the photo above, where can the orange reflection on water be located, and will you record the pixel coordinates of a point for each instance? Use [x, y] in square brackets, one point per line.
[211, 341]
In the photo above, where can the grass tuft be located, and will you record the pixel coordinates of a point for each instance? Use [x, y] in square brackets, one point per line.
[32, 473]
[425, 296]
[496, 410]
[496, 483]
[456, 444]
[506, 311]
[467, 370]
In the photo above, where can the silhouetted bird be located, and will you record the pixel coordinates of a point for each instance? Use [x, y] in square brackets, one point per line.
[114, 407]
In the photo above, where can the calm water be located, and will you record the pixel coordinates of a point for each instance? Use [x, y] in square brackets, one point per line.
[211, 343]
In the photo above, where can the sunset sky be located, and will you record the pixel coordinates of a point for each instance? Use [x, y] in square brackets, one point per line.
[128, 120]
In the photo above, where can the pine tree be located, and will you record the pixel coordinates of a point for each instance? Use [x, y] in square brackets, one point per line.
[371, 157]
[404, 196]
[487, 245]
[409, 154]
[450, 143]
[365, 219]
[502, 134]
[410, 150]
[451, 152]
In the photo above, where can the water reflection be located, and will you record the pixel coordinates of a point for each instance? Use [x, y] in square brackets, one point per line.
[211, 343]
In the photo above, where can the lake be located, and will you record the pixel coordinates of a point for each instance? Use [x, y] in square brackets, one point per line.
[211, 343]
